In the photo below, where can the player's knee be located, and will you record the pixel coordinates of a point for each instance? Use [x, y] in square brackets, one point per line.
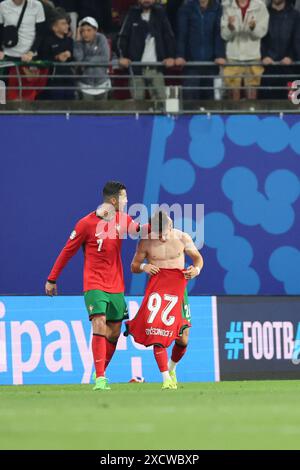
[113, 338]
[183, 341]
[99, 324]
[185, 338]
[112, 335]
[113, 331]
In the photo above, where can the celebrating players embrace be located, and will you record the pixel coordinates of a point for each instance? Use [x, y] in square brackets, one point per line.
[164, 315]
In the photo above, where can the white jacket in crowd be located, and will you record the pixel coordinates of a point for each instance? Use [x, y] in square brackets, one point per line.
[243, 43]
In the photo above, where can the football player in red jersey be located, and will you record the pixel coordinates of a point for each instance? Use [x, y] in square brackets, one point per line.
[164, 315]
[100, 234]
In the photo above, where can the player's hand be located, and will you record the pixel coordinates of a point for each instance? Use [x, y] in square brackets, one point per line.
[151, 269]
[2, 55]
[190, 272]
[50, 289]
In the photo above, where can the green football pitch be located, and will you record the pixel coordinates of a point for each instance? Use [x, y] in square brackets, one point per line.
[227, 415]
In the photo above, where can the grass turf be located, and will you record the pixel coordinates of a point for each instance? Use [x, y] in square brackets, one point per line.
[227, 415]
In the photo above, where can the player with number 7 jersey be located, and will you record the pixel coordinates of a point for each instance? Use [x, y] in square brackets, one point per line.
[164, 315]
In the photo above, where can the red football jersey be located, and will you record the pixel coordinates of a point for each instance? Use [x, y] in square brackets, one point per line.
[159, 319]
[101, 242]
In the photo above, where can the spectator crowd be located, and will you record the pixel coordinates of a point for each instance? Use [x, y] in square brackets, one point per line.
[250, 44]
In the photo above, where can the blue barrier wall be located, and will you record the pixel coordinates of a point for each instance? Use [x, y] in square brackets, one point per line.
[245, 169]
[259, 337]
[48, 341]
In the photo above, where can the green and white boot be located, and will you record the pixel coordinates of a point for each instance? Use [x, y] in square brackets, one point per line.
[168, 385]
[101, 384]
[173, 376]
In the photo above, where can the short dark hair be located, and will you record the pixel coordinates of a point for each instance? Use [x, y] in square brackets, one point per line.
[59, 14]
[112, 188]
[159, 222]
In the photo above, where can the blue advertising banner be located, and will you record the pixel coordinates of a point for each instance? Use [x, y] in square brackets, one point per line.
[48, 341]
[244, 169]
[259, 337]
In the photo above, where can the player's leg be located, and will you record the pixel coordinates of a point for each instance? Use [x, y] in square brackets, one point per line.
[113, 331]
[181, 342]
[99, 351]
[96, 303]
[116, 313]
[99, 343]
[161, 357]
[178, 351]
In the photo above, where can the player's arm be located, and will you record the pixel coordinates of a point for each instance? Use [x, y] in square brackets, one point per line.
[137, 229]
[77, 238]
[138, 265]
[191, 250]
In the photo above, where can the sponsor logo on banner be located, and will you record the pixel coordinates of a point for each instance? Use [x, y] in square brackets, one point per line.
[262, 340]
[259, 337]
[48, 341]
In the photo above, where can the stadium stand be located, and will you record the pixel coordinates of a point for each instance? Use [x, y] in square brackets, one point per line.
[205, 62]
